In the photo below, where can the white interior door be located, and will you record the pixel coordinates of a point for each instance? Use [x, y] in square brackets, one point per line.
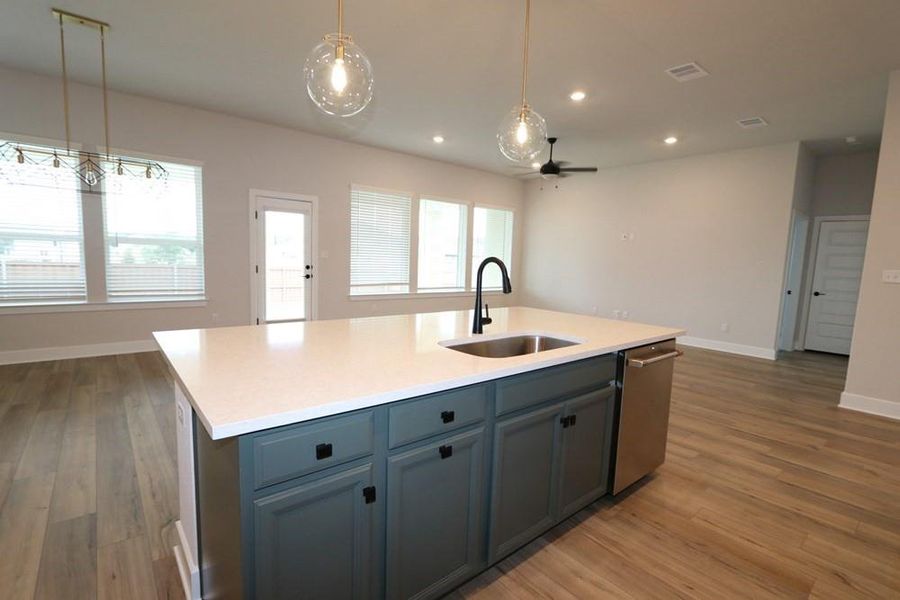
[835, 290]
[284, 271]
[792, 281]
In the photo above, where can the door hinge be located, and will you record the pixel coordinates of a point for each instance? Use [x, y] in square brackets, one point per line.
[567, 421]
[369, 494]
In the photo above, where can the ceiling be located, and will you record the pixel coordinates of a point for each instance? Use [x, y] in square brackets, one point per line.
[815, 69]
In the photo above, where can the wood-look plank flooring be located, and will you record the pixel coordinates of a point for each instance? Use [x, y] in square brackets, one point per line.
[769, 491]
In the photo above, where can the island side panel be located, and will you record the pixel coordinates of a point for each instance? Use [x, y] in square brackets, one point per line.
[218, 514]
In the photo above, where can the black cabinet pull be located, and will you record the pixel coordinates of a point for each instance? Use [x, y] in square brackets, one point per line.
[446, 451]
[369, 494]
[323, 451]
[572, 420]
[447, 416]
[564, 421]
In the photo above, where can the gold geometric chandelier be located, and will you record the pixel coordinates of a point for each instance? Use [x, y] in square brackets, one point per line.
[88, 166]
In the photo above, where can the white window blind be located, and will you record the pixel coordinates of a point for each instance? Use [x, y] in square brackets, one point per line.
[442, 245]
[492, 235]
[41, 251]
[154, 235]
[379, 241]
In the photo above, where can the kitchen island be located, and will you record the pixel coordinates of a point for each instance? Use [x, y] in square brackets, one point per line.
[368, 458]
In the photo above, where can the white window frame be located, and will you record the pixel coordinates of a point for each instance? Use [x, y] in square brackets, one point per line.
[94, 261]
[414, 292]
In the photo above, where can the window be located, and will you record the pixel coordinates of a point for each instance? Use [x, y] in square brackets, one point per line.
[492, 233]
[154, 236]
[152, 244]
[453, 238]
[41, 250]
[442, 245]
[379, 241]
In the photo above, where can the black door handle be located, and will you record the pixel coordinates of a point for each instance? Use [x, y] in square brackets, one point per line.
[818, 293]
[446, 451]
[323, 451]
[789, 292]
[448, 416]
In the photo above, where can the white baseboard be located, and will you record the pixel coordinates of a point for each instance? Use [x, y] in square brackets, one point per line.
[873, 406]
[9, 357]
[187, 567]
[754, 351]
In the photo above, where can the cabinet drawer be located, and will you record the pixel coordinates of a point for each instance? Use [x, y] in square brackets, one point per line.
[529, 389]
[435, 414]
[303, 449]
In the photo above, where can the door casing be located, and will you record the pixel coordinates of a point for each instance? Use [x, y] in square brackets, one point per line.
[256, 196]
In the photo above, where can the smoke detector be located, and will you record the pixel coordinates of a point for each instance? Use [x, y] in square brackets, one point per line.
[687, 72]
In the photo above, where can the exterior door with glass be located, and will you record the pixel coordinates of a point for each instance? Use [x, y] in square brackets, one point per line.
[284, 269]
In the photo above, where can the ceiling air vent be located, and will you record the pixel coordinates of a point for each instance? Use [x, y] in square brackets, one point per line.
[752, 122]
[687, 72]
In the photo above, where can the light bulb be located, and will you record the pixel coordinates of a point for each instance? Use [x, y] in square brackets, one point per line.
[55, 161]
[90, 178]
[119, 169]
[522, 132]
[21, 158]
[338, 76]
[148, 173]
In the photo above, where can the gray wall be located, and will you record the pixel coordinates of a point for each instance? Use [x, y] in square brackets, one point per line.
[844, 184]
[872, 379]
[709, 246]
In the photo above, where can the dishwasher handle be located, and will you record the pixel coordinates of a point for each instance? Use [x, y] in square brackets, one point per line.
[643, 362]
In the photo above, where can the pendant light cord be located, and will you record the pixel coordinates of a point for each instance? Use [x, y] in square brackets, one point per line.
[65, 82]
[105, 95]
[525, 50]
[340, 19]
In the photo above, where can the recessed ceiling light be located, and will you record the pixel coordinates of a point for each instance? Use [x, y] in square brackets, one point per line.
[438, 139]
[851, 139]
[671, 140]
[535, 165]
[577, 95]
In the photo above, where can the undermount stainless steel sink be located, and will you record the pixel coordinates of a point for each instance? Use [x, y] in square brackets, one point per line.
[516, 345]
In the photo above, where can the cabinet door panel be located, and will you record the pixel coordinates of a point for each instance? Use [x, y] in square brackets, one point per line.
[522, 504]
[585, 450]
[314, 540]
[434, 535]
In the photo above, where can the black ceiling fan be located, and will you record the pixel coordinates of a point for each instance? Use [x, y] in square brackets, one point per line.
[551, 168]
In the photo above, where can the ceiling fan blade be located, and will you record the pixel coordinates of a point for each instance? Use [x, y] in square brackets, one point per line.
[579, 169]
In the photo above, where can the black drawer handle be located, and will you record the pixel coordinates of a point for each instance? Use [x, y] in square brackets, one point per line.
[448, 416]
[323, 451]
[446, 451]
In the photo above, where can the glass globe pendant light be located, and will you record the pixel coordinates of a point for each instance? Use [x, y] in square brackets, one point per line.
[523, 132]
[338, 74]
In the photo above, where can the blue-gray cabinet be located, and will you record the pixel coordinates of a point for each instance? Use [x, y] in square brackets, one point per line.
[434, 523]
[405, 500]
[314, 540]
[548, 463]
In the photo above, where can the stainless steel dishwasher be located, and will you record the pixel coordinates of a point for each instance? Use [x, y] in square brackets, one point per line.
[643, 411]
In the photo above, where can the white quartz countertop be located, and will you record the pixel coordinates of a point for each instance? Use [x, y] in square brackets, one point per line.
[245, 379]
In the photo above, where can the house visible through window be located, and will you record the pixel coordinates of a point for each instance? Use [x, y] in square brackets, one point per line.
[384, 260]
[41, 249]
[153, 234]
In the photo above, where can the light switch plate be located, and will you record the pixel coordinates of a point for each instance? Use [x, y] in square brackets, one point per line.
[890, 276]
